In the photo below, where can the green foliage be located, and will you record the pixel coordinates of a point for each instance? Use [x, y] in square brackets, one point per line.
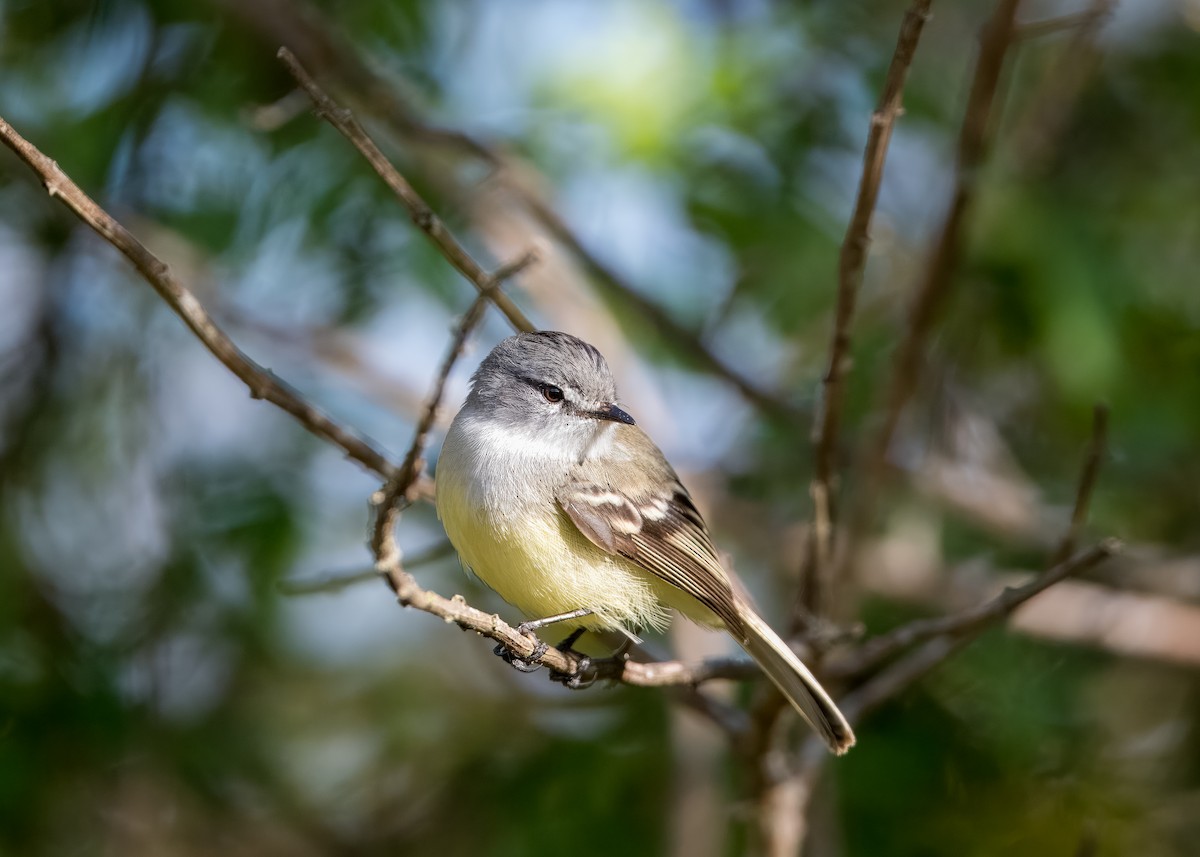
[158, 692]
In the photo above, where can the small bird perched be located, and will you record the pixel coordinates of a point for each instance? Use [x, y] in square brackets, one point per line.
[559, 502]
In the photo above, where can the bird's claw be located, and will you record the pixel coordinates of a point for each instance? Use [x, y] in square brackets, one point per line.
[526, 664]
[578, 679]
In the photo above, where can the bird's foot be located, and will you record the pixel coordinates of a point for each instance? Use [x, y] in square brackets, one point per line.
[528, 663]
[579, 679]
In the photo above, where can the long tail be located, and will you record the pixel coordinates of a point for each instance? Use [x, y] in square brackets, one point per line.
[796, 683]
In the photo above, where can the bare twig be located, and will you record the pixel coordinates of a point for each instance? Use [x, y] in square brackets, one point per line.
[943, 637]
[456, 611]
[935, 282]
[422, 215]
[1087, 483]
[657, 318]
[336, 581]
[1039, 128]
[266, 386]
[261, 382]
[393, 497]
[301, 26]
[1075, 20]
[851, 263]
[878, 649]
[782, 803]
[940, 638]
[875, 651]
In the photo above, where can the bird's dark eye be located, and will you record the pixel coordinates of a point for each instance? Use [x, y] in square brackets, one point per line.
[553, 394]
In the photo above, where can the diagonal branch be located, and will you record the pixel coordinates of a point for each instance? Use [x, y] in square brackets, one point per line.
[394, 496]
[658, 318]
[851, 263]
[315, 40]
[915, 665]
[936, 280]
[1096, 449]
[877, 650]
[422, 215]
[264, 385]
[944, 637]
[261, 382]
[968, 622]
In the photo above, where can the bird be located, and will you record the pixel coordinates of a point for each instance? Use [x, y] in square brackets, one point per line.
[555, 498]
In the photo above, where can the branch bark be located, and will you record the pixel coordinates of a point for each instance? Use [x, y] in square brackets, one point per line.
[1094, 457]
[879, 649]
[422, 215]
[261, 382]
[314, 39]
[934, 288]
[402, 479]
[851, 264]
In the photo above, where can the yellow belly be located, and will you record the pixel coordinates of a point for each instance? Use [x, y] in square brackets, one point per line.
[541, 564]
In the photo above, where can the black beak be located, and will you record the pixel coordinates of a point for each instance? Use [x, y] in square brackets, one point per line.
[609, 411]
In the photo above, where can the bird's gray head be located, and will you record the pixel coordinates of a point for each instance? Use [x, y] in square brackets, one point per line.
[546, 384]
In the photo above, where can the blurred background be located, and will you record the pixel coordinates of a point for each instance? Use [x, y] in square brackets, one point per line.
[171, 685]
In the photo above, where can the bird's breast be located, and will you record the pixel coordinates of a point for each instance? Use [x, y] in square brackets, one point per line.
[497, 505]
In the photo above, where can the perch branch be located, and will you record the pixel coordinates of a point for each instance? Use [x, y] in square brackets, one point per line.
[265, 385]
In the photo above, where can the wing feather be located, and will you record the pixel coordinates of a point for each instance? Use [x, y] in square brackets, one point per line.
[659, 530]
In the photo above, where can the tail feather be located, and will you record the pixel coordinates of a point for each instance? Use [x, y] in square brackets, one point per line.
[795, 682]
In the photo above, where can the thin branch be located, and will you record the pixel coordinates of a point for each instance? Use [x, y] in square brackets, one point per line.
[1040, 127]
[420, 212]
[934, 287]
[302, 27]
[658, 319]
[875, 651]
[1097, 446]
[336, 581]
[261, 382]
[900, 676]
[1048, 26]
[394, 497]
[265, 385]
[941, 638]
[878, 649]
[851, 264]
